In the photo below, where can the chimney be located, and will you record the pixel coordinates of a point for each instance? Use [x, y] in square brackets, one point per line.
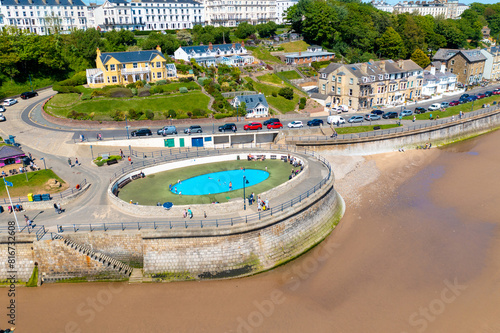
[98, 52]
[234, 45]
[210, 46]
[364, 68]
[300, 53]
[382, 66]
[433, 70]
[443, 67]
[400, 63]
[242, 43]
[158, 48]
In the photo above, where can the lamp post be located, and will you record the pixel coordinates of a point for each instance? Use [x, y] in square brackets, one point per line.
[244, 196]
[237, 106]
[44, 166]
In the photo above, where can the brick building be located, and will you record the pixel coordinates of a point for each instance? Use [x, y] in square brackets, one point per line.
[467, 65]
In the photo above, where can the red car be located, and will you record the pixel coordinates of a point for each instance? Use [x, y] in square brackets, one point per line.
[479, 96]
[253, 126]
[275, 125]
[496, 92]
[453, 103]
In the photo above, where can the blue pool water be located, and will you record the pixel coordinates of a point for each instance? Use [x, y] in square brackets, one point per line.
[218, 182]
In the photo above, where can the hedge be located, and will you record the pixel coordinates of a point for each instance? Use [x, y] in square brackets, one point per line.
[100, 161]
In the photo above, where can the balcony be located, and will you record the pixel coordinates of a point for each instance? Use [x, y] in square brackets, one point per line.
[138, 70]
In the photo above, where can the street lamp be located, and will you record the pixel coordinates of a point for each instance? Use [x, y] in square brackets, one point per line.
[244, 197]
[44, 166]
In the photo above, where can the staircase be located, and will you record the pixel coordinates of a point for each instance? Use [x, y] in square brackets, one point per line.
[102, 258]
[136, 276]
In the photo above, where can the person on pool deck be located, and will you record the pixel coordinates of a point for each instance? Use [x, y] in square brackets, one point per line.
[175, 189]
[230, 186]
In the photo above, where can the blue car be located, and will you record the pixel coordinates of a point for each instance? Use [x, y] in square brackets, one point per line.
[472, 98]
[315, 122]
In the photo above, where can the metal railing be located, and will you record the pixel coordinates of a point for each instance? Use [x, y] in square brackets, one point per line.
[38, 231]
[61, 195]
[396, 130]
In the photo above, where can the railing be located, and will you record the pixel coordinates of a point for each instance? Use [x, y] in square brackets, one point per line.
[396, 130]
[199, 224]
[38, 231]
[60, 195]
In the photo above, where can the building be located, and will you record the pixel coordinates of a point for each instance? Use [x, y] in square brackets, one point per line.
[10, 155]
[281, 8]
[365, 85]
[313, 53]
[492, 63]
[44, 17]
[486, 32]
[256, 105]
[149, 14]
[234, 54]
[382, 5]
[449, 9]
[231, 13]
[438, 82]
[468, 65]
[128, 67]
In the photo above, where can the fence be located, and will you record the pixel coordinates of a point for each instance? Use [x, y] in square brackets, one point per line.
[238, 93]
[222, 222]
[397, 130]
[61, 195]
[38, 231]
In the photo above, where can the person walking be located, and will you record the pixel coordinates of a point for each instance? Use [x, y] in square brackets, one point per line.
[121, 154]
[129, 160]
[59, 207]
[414, 118]
[69, 162]
[184, 213]
[190, 213]
[56, 209]
[76, 161]
[82, 138]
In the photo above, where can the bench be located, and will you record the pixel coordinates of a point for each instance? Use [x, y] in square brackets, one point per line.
[273, 157]
[110, 162]
[124, 182]
[376, 128]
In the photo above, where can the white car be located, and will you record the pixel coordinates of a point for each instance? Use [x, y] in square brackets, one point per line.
[2, 117]
[295, 124]
[434, 107]
[2, 108]
[10, 101]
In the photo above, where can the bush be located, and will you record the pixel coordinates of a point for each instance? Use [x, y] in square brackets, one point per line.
[201, 80]
[130, 85]
[150, 115]
[170, 114]
[303, 100]
[86, 96]
[119, 92]
[77, 115]
[199, 113]
[286, 93]
[182, 116]
[275, 94]
[134, 91]
[139, 84]
[302, 106]
[118, 115]
[96, 93]
[135, 115]
[161, 82]
[142, 92]
[183, 90]
[222, 115]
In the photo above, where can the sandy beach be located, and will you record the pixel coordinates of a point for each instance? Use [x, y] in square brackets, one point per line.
[418, 250]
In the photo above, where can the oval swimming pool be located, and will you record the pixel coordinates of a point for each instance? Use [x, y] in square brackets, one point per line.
[218, 182]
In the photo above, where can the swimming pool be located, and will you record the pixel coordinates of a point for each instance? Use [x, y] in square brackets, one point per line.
[218, 182]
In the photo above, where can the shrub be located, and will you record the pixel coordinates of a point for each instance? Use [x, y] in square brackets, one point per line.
[150, 114]
[139, 84]
[86, 96]
[170, 114]
[189, 114]
[118, 115]
[134, 91]
[130, 85]
[119, 92]
[199, 113]
[303, 100]
[182, 116]
[221, 115]
[147, 85]
[133, 114]
[77, 115]
[142, 92]
[302, 106]
[286, 93]
[161, 82]
[183, 90]
[275, 94]
[96, 93]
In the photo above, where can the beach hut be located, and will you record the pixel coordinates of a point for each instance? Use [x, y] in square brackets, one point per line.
[10, 155]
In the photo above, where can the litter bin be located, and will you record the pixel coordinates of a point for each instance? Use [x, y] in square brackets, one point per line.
[30, 196]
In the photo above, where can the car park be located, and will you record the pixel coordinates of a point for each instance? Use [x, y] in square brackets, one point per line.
[10, 101]
[406, 113]
[480, 96]
[378, 112]
[270, 120]
[28, 94]
[2, 108]
[2, 117]
[167, 130]
[253, 126]
[420, 110]
[335, 120]
[356, 119]
[454, 103]
[315, 122]
[434, 107]
[275, 125]
[295, 124]
[445, 105]
[193, 129]
[371, 117]
[228, 127]
[390, 114]
[142, 132]
[488, 93]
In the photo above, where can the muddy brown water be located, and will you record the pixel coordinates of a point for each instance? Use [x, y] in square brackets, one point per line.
[419, 253]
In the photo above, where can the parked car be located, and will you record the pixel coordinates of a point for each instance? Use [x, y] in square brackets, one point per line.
[2, 108]
[488, 93]
[340, 108]
[193, 129]
[496, 92]
[142, 132]
[420, 110]
[472, 98]
[463, 100]
[445, 104]
[371, 117]
[315, 122]
[464, 96]
[295, 124]
[167, 130]
[253, 126]
[406, 113]
[434, 107]
[356, 119]
[378, 112]
[480, 96]
[2, 117]
[390, 114]
[228, 127]
[270, 120]
[275, 125]
[28, 94]
[10, 101]
[335, 120]
[454, 103]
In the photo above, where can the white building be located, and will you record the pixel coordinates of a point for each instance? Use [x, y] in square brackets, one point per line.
[382, 5]
[256, 105]
[230, 13]
[446, 8]
[113, 14]
[281, 7]
[438, 82]
[207, 55]
[44, 16]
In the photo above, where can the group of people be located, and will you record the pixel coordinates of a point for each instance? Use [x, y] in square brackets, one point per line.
[71, 164]
[189, 213]
[262, 204]
[57, 208]
[251, 157]
[16, 208]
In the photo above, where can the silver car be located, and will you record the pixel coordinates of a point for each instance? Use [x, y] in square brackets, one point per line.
[372, 117]
[356, 119]
[405, 113]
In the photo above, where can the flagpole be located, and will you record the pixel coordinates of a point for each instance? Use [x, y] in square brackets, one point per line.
[12, 205]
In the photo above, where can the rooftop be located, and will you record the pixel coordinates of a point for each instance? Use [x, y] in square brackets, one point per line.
[252, 101]
[134, 56]
[42, 3]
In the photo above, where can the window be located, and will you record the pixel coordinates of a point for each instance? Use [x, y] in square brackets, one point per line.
[324, 86]
[339, 79]
[106, 68]
[112, 67]
[338, 90]
[158, 75]
[333, 78]
[108, 78]
[453, 62]
[323, 75]
[113, 78]
[158, 65]
[134, 65]
[333, 89]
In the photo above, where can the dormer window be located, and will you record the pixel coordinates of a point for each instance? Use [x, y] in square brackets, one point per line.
[323, 75]
[387, 76]
[380, 77]
[372, 77]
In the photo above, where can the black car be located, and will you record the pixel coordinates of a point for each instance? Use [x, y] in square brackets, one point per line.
[420, 110]
[142, 132]
[391, 114]
[228, 127]
[464, 96]
[193, 129]
[315, 122]
[488, 93]
[28, 94]
[378, 112]
[270, 121]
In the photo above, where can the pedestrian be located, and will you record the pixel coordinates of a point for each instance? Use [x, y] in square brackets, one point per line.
[76, 161]
[59, 207]
[230, 186]
[29, 154]
[121, 154]
[184, 213]
[129, 160]
[266, 168]
[190, 213]
[414, 118]
[266, 202]
[259, 205]
[82, 138]
[452, 118]
[56, 209]
[100, 137]
[69, 162]
[430, 116]
[26, 219]
[205, 214]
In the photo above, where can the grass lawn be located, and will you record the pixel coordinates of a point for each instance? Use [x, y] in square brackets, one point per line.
[264, 55]
[61, 104]
[174, 86]
[360, 129]
[291, 75]
[154, 188]
[295, 46]
[35, 184]
[455, 110]
[272, 78]
[11, 88]
[280, 103]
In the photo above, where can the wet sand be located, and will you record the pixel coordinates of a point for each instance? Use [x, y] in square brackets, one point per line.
[417, 251]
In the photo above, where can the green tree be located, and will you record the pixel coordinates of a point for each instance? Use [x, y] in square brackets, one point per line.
[391, 45]
[244, 30]
[185, 36]
[286, 93]
[267, 29]
[420, 58]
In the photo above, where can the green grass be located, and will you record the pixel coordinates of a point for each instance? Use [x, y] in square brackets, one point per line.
[295, 46]
[291, 75]
[272, 78]
[360, 129]
[264, 55]
[33, 281]
[282, 104]
[154, 188]
[11, 88]
[35, 184]
[174, 86]
[103, 107]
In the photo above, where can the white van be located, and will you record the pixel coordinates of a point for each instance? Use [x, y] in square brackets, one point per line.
[340, 108]
[335, 120]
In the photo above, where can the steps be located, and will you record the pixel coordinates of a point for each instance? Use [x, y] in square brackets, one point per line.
[136, 276]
